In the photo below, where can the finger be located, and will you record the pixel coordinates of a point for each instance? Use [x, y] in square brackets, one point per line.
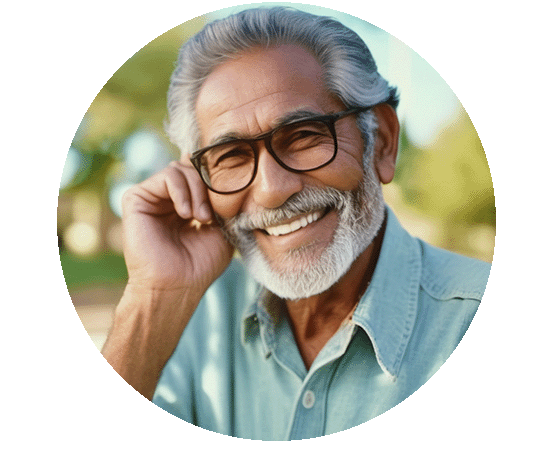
[177, 187]
[163, 193]
[199, 198]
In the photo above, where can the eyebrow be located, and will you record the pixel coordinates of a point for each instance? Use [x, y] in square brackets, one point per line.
[227, 137]
[292, 116]
[295, 116]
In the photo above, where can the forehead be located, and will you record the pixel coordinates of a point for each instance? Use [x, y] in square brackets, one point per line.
[248, 95]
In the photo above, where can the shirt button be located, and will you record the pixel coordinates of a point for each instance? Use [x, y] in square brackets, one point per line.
[308, 399]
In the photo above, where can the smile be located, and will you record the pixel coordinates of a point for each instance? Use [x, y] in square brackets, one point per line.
[280, 230]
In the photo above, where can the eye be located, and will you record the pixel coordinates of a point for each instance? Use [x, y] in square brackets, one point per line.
[305, 133]
[229, 156]
[302, 136]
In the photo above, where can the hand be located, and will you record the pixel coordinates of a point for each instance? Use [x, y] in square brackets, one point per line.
[171, 240]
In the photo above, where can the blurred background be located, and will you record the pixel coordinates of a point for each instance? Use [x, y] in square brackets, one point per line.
[442, 191]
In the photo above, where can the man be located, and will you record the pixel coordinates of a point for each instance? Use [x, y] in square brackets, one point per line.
[333, 314]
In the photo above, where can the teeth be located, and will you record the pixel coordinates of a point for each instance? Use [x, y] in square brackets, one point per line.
[280, 230]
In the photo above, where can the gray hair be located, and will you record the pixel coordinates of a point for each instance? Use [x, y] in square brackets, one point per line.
[350, 71]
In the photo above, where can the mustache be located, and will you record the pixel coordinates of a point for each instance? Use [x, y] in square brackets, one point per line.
[308, 200]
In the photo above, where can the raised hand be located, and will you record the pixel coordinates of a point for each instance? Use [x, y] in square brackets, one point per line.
[171, 240]
[174, 250]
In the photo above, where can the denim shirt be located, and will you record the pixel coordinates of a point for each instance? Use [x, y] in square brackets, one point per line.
[237, 369]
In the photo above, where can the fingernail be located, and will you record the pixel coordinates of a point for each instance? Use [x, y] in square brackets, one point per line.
[185, 210]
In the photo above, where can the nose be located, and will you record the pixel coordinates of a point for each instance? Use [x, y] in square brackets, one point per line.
[273, 184]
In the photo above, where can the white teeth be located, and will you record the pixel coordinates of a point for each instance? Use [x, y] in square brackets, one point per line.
[280, 230]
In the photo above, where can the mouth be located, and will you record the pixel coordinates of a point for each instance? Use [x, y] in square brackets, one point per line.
[295, 224]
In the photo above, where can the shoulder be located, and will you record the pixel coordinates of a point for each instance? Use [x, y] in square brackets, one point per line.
[448, 275]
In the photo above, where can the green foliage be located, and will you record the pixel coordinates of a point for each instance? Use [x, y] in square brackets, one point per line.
[450, 178]
[103, 268]
[449, 184]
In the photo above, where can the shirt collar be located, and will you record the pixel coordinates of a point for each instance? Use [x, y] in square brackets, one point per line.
[262, 316]
[386, 311]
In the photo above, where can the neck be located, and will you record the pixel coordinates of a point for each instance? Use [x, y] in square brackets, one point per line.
[316, 319]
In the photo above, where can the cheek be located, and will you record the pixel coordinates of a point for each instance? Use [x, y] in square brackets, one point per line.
[345, 172]
[226, 206]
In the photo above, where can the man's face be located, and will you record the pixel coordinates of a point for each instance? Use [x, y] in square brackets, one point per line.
[246, 97]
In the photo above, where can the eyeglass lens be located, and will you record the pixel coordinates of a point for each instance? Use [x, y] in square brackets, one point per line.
[302, 146]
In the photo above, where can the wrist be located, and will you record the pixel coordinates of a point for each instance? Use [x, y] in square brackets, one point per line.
[146, 329]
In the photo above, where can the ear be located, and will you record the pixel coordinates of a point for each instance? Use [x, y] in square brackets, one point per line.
[386, 145]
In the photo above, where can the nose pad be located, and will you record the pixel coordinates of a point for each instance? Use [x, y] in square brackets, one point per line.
[273, 184]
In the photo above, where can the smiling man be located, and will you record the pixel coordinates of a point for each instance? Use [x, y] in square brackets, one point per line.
[332, 314]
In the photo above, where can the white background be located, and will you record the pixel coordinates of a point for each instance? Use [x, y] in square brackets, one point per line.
[59, 391]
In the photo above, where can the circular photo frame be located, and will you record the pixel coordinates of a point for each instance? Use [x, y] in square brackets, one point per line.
[441, 193]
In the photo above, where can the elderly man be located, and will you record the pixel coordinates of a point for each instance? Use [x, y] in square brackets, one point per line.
[331, 314]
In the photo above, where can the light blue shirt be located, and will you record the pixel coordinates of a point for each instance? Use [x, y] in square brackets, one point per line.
[237, 369]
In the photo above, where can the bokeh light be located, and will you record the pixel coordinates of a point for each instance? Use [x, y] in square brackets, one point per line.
[82, 238]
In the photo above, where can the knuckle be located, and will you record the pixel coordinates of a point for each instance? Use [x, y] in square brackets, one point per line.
[129, 198]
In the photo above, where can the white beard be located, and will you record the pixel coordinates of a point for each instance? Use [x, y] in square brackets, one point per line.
[360, 217]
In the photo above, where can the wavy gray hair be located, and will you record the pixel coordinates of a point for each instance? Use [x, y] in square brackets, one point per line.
[350, 71]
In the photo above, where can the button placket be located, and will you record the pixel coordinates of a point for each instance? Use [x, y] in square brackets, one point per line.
[309, 415]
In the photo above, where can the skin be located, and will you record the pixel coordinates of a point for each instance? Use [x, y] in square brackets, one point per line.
[171, 261]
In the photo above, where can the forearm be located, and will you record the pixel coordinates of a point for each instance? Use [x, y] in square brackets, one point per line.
[146, 329]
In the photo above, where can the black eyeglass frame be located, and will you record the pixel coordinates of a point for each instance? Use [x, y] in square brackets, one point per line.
[329, 120]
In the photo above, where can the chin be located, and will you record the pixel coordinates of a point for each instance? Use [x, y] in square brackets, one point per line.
[309, 271]
[301, 279]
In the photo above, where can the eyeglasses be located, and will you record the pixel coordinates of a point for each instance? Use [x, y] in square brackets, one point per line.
[299, 146]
